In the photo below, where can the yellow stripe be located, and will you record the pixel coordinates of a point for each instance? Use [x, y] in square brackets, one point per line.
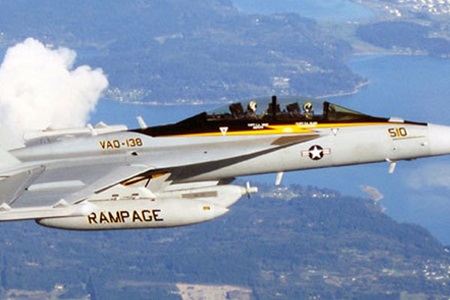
[268, 130]
[285, 129]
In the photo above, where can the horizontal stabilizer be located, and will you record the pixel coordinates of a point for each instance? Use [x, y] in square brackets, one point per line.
[13, 185]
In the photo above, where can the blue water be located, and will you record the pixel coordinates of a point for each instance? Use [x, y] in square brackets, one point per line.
[322, 10]
[412, 87]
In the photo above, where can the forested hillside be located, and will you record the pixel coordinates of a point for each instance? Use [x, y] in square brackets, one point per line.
[187, 50]
[318, 243]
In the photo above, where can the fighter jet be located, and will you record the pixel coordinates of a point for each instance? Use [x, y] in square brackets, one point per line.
[110, 177]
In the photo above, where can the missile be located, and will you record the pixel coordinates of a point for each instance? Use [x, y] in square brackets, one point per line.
[101, 128]
[131, 214]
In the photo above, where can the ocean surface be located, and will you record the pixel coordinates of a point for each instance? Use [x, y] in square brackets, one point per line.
[414, 88]
[411, 87]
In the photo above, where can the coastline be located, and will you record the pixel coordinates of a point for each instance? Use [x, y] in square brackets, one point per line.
[381, 53]
[356, 90]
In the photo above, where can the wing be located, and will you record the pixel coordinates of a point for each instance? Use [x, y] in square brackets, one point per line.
[33, 193]
[61, 189]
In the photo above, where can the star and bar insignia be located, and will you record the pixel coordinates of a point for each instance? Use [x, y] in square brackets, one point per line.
[316, 152]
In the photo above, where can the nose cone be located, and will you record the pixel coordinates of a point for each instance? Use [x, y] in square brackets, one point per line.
[439, 139]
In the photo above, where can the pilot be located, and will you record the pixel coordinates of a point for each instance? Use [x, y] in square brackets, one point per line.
[251, 109]
[308, 110]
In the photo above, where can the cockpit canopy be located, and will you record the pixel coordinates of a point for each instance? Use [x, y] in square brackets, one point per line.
[270, 110]
[286, 109]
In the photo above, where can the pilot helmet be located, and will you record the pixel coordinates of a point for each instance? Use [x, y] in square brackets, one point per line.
[308, 106]
[253, 106]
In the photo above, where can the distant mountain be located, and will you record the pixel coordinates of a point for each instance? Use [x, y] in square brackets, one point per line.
[290, 243]
[197, 49]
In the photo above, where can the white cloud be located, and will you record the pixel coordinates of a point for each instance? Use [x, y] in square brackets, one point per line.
[39, 88]
[431, 175]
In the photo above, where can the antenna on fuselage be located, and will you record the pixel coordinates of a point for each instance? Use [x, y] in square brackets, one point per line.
[141, 122]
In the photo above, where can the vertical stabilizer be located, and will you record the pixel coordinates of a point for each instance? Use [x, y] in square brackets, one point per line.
[8, 140]
[7, 159]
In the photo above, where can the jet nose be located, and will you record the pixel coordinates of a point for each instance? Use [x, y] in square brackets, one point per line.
[439, 139]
